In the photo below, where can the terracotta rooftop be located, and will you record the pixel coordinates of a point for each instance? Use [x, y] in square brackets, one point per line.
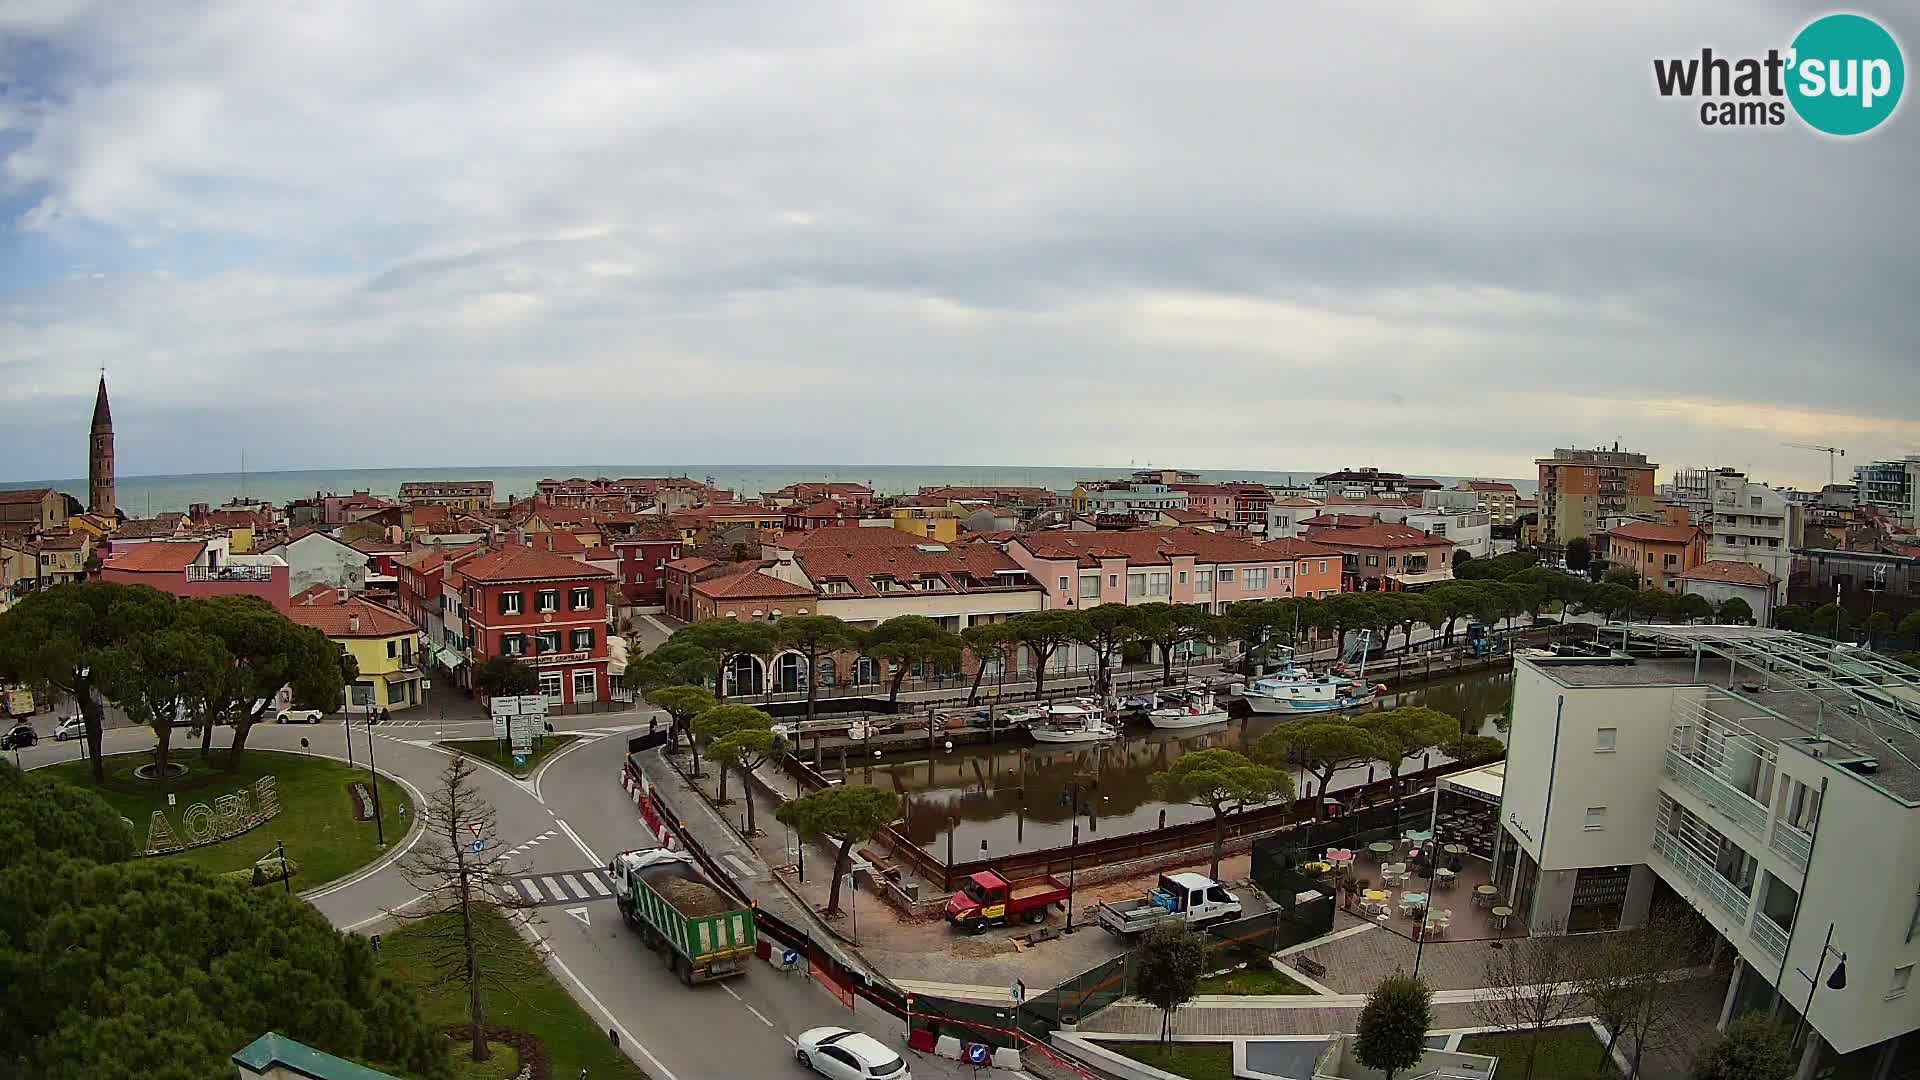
[158, 557]
[516, 562]
[62, 540]
[24, 495]
[1298, 503]
[1730, 572]
[560, 542]
[1656, 532]
[1141, 547]
[1489, 485]
[1189, 517]
[1383, 537]
[356, 617]
[1298, 549]
[751, 585]
[149, 528]
[1340, 521]
[691, 564]
[379, 547]
[842, 555]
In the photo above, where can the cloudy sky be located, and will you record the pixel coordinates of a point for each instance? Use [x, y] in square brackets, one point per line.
[1443, 236]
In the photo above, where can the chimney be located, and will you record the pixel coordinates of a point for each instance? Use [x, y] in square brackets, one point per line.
[339, 596]
[353, 622]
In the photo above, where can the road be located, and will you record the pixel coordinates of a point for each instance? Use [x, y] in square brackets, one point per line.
[559, 826]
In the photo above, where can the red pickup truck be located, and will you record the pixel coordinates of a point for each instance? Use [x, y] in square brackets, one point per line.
[987, 899]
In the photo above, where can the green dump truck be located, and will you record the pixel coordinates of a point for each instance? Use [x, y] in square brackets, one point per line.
[703, 932]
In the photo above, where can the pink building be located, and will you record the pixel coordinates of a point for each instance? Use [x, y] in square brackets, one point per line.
[1144, 566]
[199, 569]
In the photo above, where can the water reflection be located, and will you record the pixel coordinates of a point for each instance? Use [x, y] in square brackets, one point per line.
[1013, 796]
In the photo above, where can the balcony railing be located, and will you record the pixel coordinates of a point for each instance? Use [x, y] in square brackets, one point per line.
[230, 573]
[1736, 805]
[1769, 935]
[1721, 892]
[1793, 845]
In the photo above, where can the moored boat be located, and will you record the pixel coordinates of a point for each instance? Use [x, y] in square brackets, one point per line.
[1187, 707]
[1077, 721]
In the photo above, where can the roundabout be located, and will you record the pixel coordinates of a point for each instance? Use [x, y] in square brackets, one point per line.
[225, 821]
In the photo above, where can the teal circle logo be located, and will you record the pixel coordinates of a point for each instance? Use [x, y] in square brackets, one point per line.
[1845, 74]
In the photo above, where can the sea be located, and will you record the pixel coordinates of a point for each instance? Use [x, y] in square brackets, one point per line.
[144, 496]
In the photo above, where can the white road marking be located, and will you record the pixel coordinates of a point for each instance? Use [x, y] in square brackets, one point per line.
[790, 1043]
[757, 1016]
[745, 870]
[581, 914]
[573, 885]
[579, 843]
[553, 887]
[626, 1036]
[598, 885]
[731, 994]
[533, 891]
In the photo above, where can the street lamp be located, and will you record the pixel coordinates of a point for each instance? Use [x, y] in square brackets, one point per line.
[1835, 981]
[373, 781]
[1074, 796]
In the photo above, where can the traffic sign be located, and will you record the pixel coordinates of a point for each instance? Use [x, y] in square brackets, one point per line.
[479, 846]
[519, 760]
[978, 1053]
[520, 729]
[1018, 992]
[790, 958]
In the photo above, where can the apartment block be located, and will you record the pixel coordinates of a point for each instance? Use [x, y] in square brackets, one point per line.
[1893, 486]
[1768, 780]
[1581, 488]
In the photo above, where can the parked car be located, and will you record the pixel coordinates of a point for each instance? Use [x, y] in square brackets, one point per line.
[848, 1055]
[19, 738]
[73, 727]
[300, 716]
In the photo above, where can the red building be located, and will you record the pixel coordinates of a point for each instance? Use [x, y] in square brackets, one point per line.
[543, 609]
[641, 562]
[199, 569]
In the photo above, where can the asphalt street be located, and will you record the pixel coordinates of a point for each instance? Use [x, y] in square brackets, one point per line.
[558, 827]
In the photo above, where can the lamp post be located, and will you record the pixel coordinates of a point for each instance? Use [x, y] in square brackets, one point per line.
[373, 781]
[1074, 796]
[1835, 981]
[285, 877]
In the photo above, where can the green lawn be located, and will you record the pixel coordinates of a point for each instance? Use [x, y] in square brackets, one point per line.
[503, 1063]
[1251, 980]
[1197, 1061]
[1566, 1053]
[493, 752]
[316, 811]
[574, 1041]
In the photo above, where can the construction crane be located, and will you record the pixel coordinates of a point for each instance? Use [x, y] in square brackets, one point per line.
[1833, 454]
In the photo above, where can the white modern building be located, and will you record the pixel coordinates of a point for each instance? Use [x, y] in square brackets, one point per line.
[1771, 781]
[1893, 486]
[1754, 524]
[1470, 530]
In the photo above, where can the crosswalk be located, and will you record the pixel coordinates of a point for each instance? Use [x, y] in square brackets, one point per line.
[567, 887]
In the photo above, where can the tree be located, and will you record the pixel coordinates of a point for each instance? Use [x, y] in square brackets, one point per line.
[1879, 627]
[1909, 626]
[1105, 629]
[1168, 626]
[1392, 1031]
[814, 636]
[1693, 607]
[726, 640]
[54, 639]
[676, 663]
[1222, 781]
[467, 882]
[268, 651]
[1624, 976]
[1475, 749]
[1523, 988]
[1461, 557]
[1791, 617]
[1322, 748]
[906, 640]
[683, 703]
[715, 725]
[1449, 602]
[1171, 960]
[40, 814]
[987, 642]
[1579, 554]
[1752, 1047]
[744, 751]
[1614, 601]
[1624, 576]
[849, 814]
[1829, 620]
[163, 677]
[503, 676]
[1734, 611]
[1401, 733]
[1043, 632]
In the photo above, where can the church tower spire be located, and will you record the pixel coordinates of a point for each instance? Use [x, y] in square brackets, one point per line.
[100, 456]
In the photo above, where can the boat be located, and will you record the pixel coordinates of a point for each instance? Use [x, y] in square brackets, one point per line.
[1293, 691]
[1187, 707]
[1079, 721]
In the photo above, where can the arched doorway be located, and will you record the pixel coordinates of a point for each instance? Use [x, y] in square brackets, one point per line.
[745, 676]
[790, 673]
[829, 673]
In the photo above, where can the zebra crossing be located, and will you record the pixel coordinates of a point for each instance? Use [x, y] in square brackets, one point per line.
[567, 887]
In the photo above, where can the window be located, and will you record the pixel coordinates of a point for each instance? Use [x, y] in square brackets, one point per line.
[1157, 583]
[581, 640]
[513, 644]
[396, 693]
[1254, 579]
[363, 694]
[1323, 566]
[1203, 581]
[1137, 584]
[1089, 586]
[583, 686]
[547, 600]
[1226, 573]
[551, 687]
[583, 599]
[1392, 561]
[546, 641]
[512, 603]
[1902, 975]
[1063, 584]
[1183, 577]
[393, 649]
[1287, 570]
[1596, 818]
[1373, 560]
[1606, 738]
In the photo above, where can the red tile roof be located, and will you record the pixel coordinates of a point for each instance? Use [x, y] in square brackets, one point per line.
[24, 495]
[357, 617]
[1731, 573]
[1300, 503]
[1142, 547]
[1656, 532]
[158, 557]
[379, 547]
[751, 585]
[847, 555]
[426, 514]
[559, 542]
[1384, 537]
[63, 540]
[518, 563]
[1297, 549]
[148, 528]
[1341, 521]
[692, 564]
[1490, 485]
[1189, 517]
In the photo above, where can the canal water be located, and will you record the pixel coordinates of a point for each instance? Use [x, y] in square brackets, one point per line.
[1012, 796]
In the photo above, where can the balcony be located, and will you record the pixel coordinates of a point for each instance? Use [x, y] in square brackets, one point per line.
[1792, 845]
[1722, 893]
[1769, 935]
[1733, 804]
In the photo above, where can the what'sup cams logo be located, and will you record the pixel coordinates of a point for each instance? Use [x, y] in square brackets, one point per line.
[1842, 75]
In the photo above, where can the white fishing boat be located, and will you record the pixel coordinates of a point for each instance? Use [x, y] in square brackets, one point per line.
[1078, 721]
[1293, 691]
[1187, 707]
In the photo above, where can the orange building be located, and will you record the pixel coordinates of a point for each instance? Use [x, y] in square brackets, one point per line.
[1315, 570]
[1581, 489]
[1658, 553]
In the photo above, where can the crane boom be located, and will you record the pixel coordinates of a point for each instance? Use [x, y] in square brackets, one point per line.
[1833, 453]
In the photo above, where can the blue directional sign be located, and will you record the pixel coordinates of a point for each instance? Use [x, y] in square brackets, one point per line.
[519, 760]
[978, 1053]
[790, 958]
[479, 846]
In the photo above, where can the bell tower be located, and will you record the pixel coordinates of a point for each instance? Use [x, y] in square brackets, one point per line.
[100, 456]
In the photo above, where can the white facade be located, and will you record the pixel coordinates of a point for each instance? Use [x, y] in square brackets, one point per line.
[319, 559]
[1470, 530]
[1708, 775]
[1893, 486]
[1755, 524]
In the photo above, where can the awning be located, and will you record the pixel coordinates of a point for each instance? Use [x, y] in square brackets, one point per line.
[405, 675]
[616, 656]
[1425, 577]
[1484, 783]
[451, 659]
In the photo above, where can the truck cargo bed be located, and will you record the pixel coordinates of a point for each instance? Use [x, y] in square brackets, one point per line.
[1035, 888]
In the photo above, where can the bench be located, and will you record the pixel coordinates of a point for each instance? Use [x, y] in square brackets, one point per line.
[1309, 966]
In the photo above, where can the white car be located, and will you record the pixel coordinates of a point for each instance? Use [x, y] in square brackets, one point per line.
[300, 716]
[844, 1054]
[73, 727]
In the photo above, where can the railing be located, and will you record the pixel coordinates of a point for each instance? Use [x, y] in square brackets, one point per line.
[230, 573]
[1735, 804]
[1769, 935]
[1793, 845]
[1719, 890]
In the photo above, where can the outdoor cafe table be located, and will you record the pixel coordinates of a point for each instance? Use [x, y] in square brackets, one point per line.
[1416, 836]
[1455, 849]
[1339, 856]
[1483, 894]
[1500, 917]
[1380, 849]
[1413, 900]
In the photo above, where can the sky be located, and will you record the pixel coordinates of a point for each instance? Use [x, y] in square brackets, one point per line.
[1440, 236]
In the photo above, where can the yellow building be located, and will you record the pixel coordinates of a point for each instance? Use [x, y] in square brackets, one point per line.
[93, 525]
[937, 523]
[380, 640]
[63, 556]
[19, 571]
